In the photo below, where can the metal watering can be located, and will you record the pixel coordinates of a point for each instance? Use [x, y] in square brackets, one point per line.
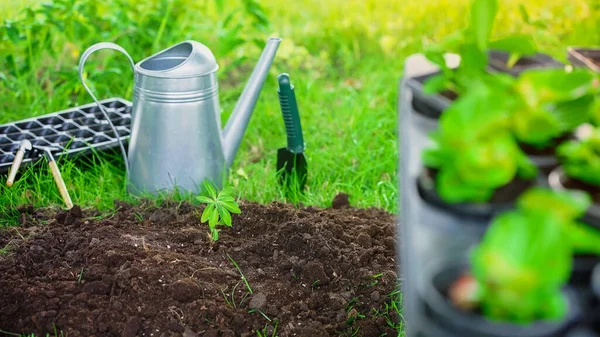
[176, 138]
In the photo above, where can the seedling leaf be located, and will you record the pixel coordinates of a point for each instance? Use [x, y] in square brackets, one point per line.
[483, 14]
[232, 207]
[207, 212]
[518, 44]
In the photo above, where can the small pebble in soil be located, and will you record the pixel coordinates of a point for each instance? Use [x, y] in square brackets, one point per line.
[258, 301]
[340, 201]
[189, 333]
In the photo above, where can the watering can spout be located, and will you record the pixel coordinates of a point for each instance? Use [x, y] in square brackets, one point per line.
[238, 121]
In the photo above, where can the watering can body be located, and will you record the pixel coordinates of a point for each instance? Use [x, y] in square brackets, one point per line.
[176, 137]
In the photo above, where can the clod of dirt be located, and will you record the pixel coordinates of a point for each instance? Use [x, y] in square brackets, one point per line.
[119, 276]
[258, 301]
[185, 291]
[340, 201]
[364, 240]
[189, 333]
[314, 273]
[132, 327]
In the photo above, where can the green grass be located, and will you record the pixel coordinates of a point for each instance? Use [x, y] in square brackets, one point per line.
[344, 62]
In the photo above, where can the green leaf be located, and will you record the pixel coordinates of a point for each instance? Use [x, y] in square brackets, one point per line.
[213, 218]
[13, 33]
[208, 211]
[219, 4]
[204, 199]
[483, 15]
[232, 206]
[518, 44]
[535, 126]
[452, 189]
[226, 217]
[581, 159]
[541, 86]
[215, 234]
[435, 84]
[210, 189]
[225, 197]
[524, 13]
[489, 164]
[473, 60]
[435, 55]
[573, 113]
[585, 239]
[564, 205]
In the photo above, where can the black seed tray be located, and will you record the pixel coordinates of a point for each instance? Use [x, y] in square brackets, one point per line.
[75, 131]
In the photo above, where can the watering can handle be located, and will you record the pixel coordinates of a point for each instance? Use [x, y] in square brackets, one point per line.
[84, 57]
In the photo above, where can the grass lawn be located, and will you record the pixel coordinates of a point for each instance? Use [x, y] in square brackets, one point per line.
[345, 58]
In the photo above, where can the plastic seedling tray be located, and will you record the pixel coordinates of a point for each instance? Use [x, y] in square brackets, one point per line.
[72, 132]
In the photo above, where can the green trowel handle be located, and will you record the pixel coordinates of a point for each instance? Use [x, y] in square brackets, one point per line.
[291, 117]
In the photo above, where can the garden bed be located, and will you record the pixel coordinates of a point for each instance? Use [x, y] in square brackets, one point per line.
[152, 271]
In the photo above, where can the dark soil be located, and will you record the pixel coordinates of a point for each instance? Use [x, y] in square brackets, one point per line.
[151, 271]
[449, 94]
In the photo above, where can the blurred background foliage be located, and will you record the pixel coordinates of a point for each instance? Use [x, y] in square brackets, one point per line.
[345, 57]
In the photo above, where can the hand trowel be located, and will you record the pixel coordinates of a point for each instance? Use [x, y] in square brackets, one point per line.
[291, 163]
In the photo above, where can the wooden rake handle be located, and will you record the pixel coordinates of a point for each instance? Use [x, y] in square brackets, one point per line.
[15, 167]
[60, 183]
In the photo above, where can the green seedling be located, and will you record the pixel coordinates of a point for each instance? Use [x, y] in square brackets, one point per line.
[581, 159]
[219, 208]
[525, 258]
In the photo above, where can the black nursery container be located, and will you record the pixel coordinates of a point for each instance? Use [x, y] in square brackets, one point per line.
[584, 57]
[498, 62]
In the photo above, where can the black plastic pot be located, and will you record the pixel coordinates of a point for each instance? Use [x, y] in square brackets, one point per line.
[438, 279]
[584, 57]
[498, 61]
[503, 199]
[593, 318]
[545, 158]
[429, 106]
[582, 332]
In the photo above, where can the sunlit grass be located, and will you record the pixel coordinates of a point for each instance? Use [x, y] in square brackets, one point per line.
[345, 58]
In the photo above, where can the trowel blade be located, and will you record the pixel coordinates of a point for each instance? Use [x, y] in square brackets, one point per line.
[292, 168]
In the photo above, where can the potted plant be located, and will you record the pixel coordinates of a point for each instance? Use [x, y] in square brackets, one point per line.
[509, 286]
[475, 164]
[584, 57]
[552, 104]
